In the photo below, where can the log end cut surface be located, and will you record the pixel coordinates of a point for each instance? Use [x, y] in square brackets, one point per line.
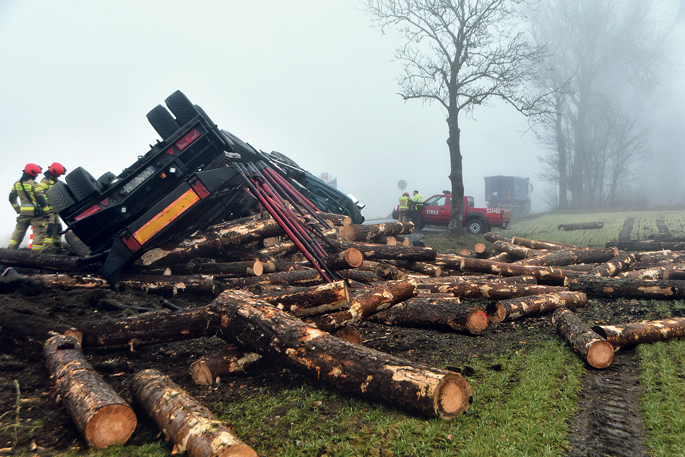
[453, 396]
[111, 424]
[601, 354]
[477, 321]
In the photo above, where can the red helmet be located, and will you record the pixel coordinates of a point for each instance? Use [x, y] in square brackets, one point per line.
[57, 169]
[406, 193]
[32, 169]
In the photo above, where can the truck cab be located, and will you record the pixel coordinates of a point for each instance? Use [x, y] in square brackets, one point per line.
[437, 210]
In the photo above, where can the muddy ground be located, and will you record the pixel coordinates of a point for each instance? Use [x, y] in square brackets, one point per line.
[608, 422]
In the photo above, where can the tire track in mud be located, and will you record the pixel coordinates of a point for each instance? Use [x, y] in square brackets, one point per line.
[624, 234]
[609, 419]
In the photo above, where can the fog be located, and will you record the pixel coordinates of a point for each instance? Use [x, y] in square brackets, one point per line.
[309, 78]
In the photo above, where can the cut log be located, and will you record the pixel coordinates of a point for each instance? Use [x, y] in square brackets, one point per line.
[437, 314]
[614, 266]
[596, 286]
[426, 268]
[581, 226]
[155, 327]
[354, 369]
[209, 370]
[492, 237]
[596, 351]
[309, 301]
[185, 422]
[516, 251]
[448, 261]
[171, 284]
[548, 245]
[642, 332]
[391, 240]
[235, 269]
[384, 251]
[100, 414]
[646, 245]
[349, 334]
[544, 275]
[446, 284]
[304, 276]
[43, 261]
[383, 270]
[366, 233]
[338, 220]
[365, 304]
[565, 257]
[534, 305]
[500, 291]
[349, 258]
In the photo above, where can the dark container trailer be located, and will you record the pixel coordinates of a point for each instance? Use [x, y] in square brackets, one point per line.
[510, 192]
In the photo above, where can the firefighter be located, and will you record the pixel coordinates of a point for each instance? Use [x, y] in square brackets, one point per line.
[53, 239]
[403, 208]
[30, 208]
[418, 198]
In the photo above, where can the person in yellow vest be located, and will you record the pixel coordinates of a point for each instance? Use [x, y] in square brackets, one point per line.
[418, 198]
[403, 208]
[29, 209]
[53, 239]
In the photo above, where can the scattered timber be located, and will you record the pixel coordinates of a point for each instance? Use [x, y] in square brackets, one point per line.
[303, 302]
[516, 308]
[187, 424]
[642, 332]
[648, 245]
[597, 351]
[367, 233]
[601, 287]
[581, 226]
[208, 370]
[100, 414]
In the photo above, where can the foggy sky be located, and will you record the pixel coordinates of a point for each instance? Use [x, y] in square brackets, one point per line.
[309, 78]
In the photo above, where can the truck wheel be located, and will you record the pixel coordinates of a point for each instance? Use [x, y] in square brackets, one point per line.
[106, 178]
[162, 121]
[59, 197]
[181, 107]
[421, 224]
[82, 184]
[475, 226]
[78, 246]
[201, 111]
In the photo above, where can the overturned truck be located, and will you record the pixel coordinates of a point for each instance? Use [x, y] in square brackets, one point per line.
[196, 176]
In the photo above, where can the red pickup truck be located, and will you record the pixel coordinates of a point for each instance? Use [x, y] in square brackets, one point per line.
[437, 210]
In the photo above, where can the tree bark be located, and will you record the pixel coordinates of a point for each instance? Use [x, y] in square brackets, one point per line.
[593, 348]
[240, 269]
[293, 277]
[44, 261]
[355, 369]
[492, 237]
[596, 286]
[173, 284]
[100, 414]
[642, 332]
[534, 305]
[544, 275]
[548, 245]
[349, 258]
[439, 314]
[185, 422]
[564, 257]
[502, 291]
[619, 263]
[446, 284]
[647, 245]
[384, 251]
[366, 233]
[516, 251]
[208, 370]
[313, 300]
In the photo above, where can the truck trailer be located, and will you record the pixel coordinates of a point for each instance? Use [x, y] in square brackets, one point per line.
[511, 192]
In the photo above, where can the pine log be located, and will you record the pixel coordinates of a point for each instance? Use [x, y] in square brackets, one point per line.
[492, 237]
[446, 284]
[280, 248]
[201, 284]
[293, 277]
[581, 226]
[468, 253]
[646, 245]
[355, 369]
[100, 414]
[675, 274]
[365, 304]
[367, 232]
[440, 314]
[534, 305]
[208, 370]
[516, 251]
[235, 269]
[642, 332]
[548, 245]
[544, 275]
[154, 327]
[185, 422]
[596, 351]
[349, 258]
[647, 273]
[625, 287]
[349, 334]
[500, 291]
[383, 251]
[391, 240]
[448, 261]
[402, 240]
[565, 257]
[426, 268]
[309, 301]
[338, 220]
[43, 261]
[360, 276]
[384, 270]
[504, 257]
[614, 266]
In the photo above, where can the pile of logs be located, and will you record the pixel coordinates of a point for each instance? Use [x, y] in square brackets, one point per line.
[266, 301]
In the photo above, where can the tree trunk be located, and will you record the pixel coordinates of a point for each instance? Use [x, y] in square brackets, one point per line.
[310, 301]
[366, 233]
[492, 237]
[439, 314]
[502, 291]
[154, 327]
[534, 305]
[207, 370]
[593, 348]
[349, 258]
[581, 226]
[516, 251]
[596, 286]
[548, 245]
[642, 332]
[185, 422]
[456, 223]
[172, 284]
[240, 269]
[647, 245]
[544, 275]
[293, 277]
[44, 261]
[561, 258]
[100, 414]
[355, 369]
[446, 284]
[384, 251]
[619, 263]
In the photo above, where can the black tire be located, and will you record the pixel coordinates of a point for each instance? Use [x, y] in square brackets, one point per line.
[162, 121]
[82, 184]
[181, 107]
[78, 246]
[106, 178]
[59, 197]
[421, 224]
[207, 118]
[475, 226]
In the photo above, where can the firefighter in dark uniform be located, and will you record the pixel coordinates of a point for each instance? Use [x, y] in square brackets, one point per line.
[30, 208]
[53, 239]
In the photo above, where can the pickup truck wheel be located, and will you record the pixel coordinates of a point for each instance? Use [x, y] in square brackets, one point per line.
[181, 107]
[82, 184]
[475, 226]
[162, 121]
[421, 224]
[59, 196]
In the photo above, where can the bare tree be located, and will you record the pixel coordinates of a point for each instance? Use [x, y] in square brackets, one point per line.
[460, 54]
